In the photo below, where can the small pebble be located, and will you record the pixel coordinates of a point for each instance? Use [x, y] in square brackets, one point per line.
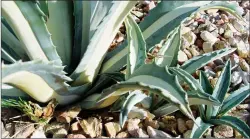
[207, 36]
[207, 47]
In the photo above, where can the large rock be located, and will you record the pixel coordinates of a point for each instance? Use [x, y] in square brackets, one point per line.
[187, 134]
[181, 125]
[38, 133]
[112, 129]
[92, 127]
[74, 136]
[170, 124]
[123, 134]
[133, 126]
[139, 113]
[223, 131]
[24, 131]
[60, 133]
[152, 123]
[154, 133]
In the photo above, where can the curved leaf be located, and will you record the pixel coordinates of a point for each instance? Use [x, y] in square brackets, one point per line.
[220, 90]
[34, 16]
[90, 64]
[197, 132]
[205, 84]
[137, 46]
[60, 27]
[23, 30]
[133, 98]
[197, 62]
[150, 77]
[235, 123]
[197, 90]
[192, 99]
[13, 43]
[234, 99]
[170, 49]
[164, 18]
[7, 56]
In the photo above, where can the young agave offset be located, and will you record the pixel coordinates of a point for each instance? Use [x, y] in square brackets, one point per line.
[215, 115]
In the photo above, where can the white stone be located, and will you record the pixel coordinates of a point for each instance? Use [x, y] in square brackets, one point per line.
[190, 37]
[228, 34]
[207, 47]
[236, 78]
[154, 133]
[207, 36]
[238, 26]
[182, 57]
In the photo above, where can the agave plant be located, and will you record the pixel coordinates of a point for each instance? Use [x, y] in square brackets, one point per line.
[215, 115]
[42, 33]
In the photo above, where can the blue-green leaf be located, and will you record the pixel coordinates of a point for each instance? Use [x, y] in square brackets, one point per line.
[197, 62]
[197, 132]
[205, 84]
[235, 123]
[137, 46]
[133, 98]
[234, 99]
[220, 89]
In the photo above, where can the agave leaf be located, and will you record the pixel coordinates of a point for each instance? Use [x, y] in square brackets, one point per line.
[161, 22]
[34, 16]
[137, 46]
[164, 18]
[205, 84]
[91, 102]
[10, 92]
[13, 43]
[119, 103]
[7, 56]
[197, 90]
[53, 75]
[170, 49]
[92, 13]
[4, 22]
[22, 29]
[60, 26]
[98, 13]
[133, 98]
[39, 90]
[82, 12]
[44, 7]
[197, 132]
[220, 89]
[48, 80]
[99, 44]
[150, 77]
[197, 62]
[235, 123]
[192, 99]
[234, 99]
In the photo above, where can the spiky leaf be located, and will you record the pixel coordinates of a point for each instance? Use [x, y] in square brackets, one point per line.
[133, 98]
[104, 35]
[205, 84]
[23, 30]
[197, 132]
[136, 46]
[220, 90]
[234, 99]
[235, 123]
